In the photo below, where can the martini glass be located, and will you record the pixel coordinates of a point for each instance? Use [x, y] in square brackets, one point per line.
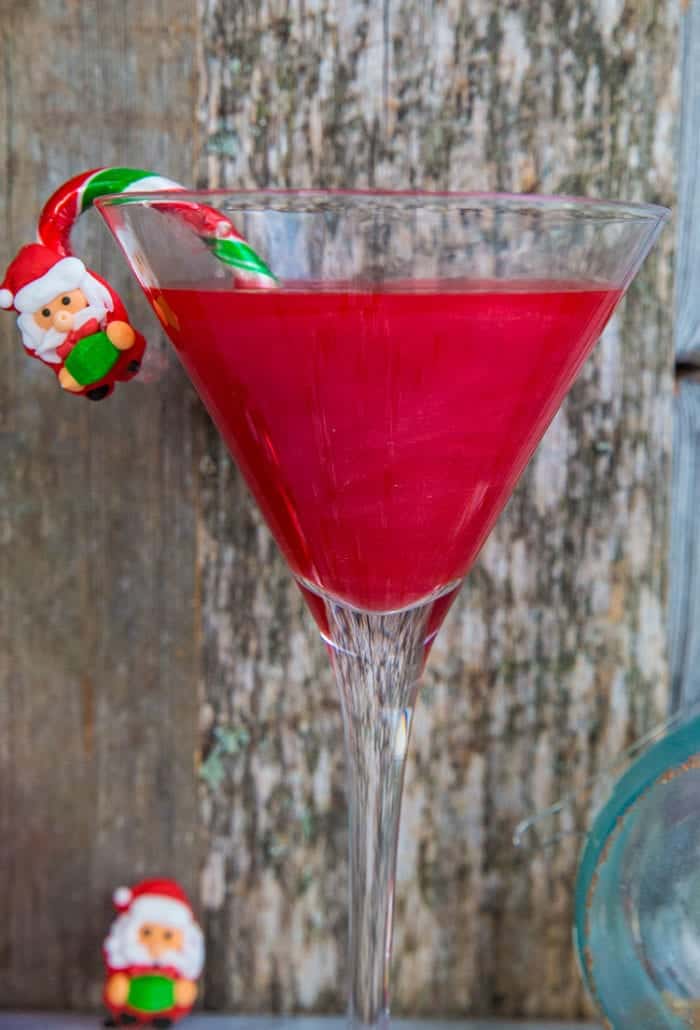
[381, 402]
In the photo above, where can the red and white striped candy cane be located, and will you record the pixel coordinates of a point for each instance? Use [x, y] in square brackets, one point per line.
[73, 198]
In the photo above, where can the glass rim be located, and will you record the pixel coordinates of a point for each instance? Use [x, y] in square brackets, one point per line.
[311, 199]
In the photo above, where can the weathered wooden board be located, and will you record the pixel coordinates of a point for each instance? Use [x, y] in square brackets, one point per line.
[554, 658]
[684, 588]
[98, 503]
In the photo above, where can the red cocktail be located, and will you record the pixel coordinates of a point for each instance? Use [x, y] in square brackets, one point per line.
[382, 432]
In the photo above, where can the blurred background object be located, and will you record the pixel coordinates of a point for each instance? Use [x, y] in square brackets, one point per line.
[158, 711]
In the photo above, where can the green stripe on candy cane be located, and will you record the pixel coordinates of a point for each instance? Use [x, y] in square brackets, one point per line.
[239, 255]
[122, 180]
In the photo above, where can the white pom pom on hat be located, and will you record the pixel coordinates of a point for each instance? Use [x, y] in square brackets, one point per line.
[122, 897]
[6, 299]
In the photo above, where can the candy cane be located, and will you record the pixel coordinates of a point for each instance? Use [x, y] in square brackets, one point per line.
[73, 198]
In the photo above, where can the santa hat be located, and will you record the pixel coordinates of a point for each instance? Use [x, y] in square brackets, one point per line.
[157, 900]
[37, 275]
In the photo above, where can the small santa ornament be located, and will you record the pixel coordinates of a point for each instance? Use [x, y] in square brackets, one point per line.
[154, 955]
[72, 321]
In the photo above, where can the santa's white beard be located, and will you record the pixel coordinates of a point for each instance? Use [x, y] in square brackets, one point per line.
[123, 949]
[44, 342]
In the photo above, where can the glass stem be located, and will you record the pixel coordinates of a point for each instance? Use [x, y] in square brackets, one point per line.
[377, 661]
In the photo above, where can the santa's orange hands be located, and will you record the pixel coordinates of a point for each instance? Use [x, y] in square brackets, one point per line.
[185, 993]
[68, 382]
[117, 989]
[121, 334]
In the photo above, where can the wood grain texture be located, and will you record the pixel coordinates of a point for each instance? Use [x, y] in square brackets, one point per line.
[97, 524]
[684, 588]
[554, 658]
[688, 258]
[684, 592]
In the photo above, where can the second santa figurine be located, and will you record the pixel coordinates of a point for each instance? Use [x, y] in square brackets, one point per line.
[154, 955]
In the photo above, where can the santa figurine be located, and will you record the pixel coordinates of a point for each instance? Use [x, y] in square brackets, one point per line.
[154, 955]
[72, 321]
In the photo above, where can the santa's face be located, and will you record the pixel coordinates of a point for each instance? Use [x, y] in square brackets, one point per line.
[159, 939]
[157, 933]
[45, 329]
[59, 313]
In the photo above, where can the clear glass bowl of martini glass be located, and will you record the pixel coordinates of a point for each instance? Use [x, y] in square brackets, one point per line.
[381, 401]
